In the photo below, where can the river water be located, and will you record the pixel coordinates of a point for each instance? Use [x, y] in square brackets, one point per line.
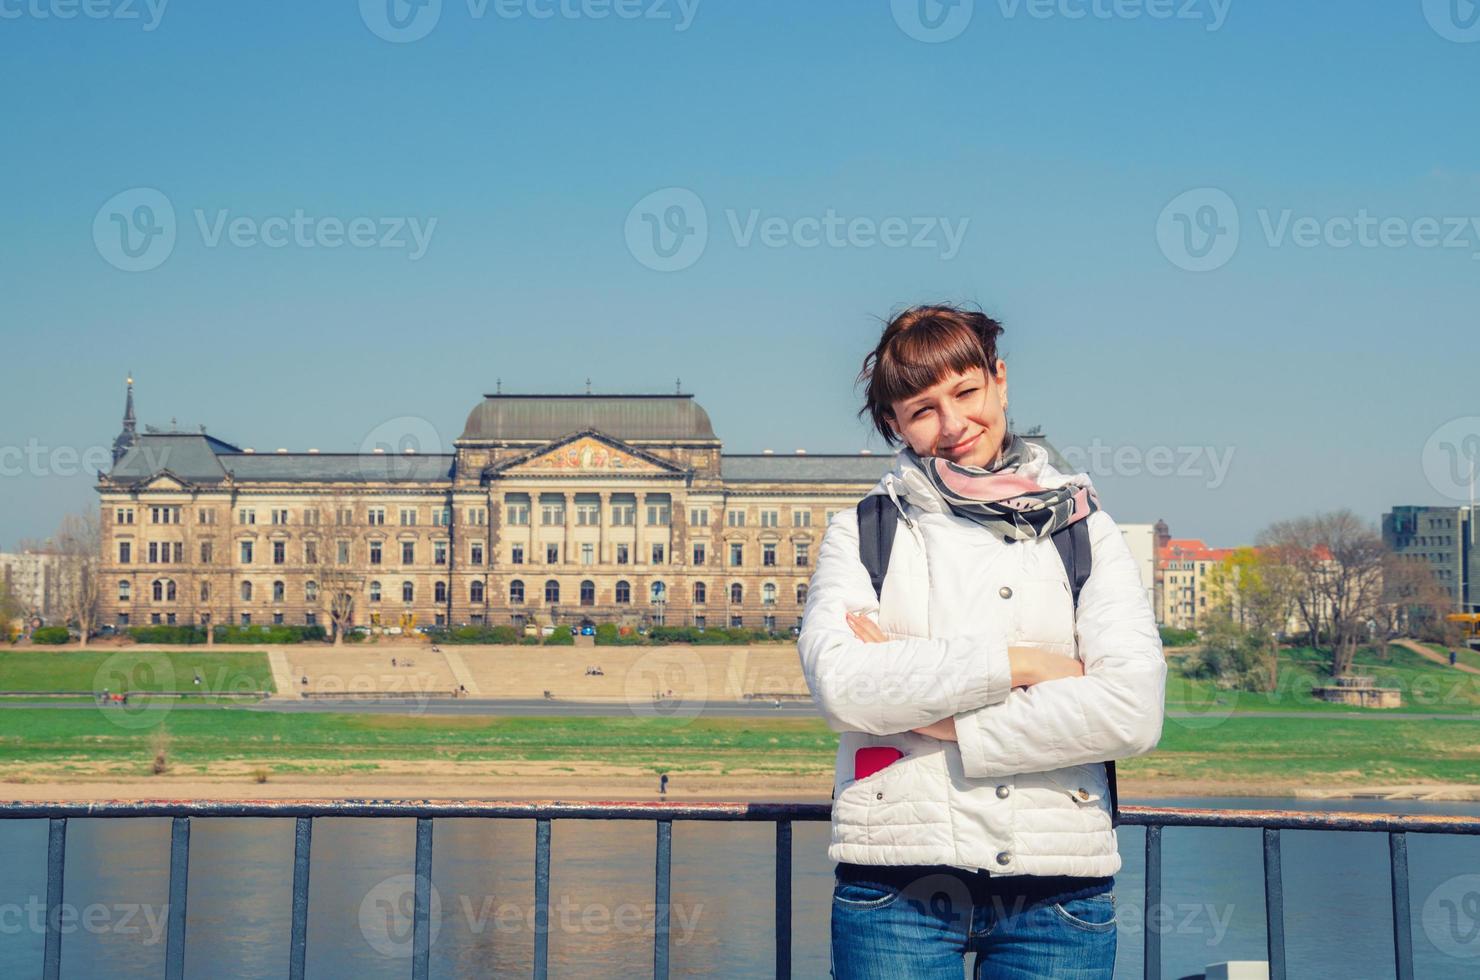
[1337, 917]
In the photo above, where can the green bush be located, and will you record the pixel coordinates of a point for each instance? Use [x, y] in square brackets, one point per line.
[1173, 637]
[609, 635]
[167, 634]
[50, 635]
[1231, 657]
[264, 633]
[560, 638]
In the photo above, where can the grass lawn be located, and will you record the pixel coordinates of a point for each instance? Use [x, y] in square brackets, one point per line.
[1466, 655]
[1426, 687]
[134, 670]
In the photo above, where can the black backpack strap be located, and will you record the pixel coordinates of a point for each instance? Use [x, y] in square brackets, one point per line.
[877, 520]
[1074, 549]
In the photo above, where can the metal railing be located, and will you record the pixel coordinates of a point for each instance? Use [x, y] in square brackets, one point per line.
[783, 815]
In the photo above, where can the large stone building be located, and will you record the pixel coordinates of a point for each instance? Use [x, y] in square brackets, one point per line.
[563, 508]
[1441, 539]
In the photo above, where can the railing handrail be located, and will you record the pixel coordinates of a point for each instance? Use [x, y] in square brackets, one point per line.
[762, 812]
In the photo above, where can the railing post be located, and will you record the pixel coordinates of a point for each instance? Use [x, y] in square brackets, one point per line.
[298, 943]
[660, 900]
[421, 925]
[1152, 903]
[783, 899]
[1402, 911]
[56, 854]
[1274, 904]
[174, 956]
[541, 898]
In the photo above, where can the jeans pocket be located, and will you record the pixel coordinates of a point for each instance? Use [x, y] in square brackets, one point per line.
[863, 895]
[1093, 914]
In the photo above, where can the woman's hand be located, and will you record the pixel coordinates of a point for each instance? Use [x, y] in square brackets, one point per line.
[1031, 665]
[868, 631]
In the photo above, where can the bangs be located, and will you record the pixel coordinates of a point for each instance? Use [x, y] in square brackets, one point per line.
[925, 355]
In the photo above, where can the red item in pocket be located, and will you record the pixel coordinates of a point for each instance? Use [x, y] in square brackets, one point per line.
[867, 761]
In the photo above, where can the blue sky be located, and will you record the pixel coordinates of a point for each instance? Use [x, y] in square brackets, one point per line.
[1071, 174]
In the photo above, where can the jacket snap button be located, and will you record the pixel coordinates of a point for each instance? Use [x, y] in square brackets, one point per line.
[1002, 792]
[878, 796]
[1083, 795]
[1005, 592]
[1003, 857]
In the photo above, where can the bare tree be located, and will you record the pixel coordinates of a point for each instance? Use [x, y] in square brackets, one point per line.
[339, 582]
[78, 547]
[1415, 603]
[1258, 591]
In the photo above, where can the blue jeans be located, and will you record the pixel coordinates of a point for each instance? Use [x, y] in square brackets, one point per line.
[921, 925]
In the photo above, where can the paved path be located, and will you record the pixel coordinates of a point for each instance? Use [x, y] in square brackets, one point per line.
[1434, 655]
[282, 676]
[461, 673]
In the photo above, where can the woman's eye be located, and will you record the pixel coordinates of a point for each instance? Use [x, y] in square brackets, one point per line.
[963, 394]
[920, 412]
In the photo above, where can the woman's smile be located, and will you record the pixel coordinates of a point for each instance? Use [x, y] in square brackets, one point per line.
[961, 448]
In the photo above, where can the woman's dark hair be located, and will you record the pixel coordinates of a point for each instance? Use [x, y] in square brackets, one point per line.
[919, 348]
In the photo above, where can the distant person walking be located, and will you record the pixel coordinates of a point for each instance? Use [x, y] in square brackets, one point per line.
[663, 784]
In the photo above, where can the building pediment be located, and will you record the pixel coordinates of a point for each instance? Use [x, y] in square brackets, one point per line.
[588, 452]
[164, 480]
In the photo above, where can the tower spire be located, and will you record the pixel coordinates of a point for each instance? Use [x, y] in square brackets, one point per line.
[130, 434]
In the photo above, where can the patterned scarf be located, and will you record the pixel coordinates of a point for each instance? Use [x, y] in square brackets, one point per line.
[1009, 503]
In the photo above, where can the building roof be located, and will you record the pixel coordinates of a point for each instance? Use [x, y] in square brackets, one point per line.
[199, 458]
[804, 468]
[1191, 549]
[502, 417]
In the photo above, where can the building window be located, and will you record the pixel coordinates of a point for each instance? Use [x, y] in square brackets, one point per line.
[310, 515]
[475, 553]
[375, 516]
[588, 592]
[279, 591]
[246, 592]
[122, 619]
[441, 516]
[802, 594]
[277, 619]
[125, 552]
[154, 552]
[552, 510]
[205, 592]
[801, 518]
[310, 591]
[737, 622]
[477, 516]
[123, 591]
[552, 554]
[154, 619]
[341, 552]
[246, 552]
[408, 516]
[206, 515]
[624, 593]
[735, 518]
[279, 552]
[768, 555]
[439, 552]
[246, 515]
[737, 554]
[279, 516]
[700, 594]
[768, 623]
[804, 554]
[516, 592]
[123, 515]
[699, 553]
[164, 590]
[768, 594]
[310, 619]
[588, 512]
[344, 515]
[375, 591]
[657, 553]
[659, 592]
[552, 590]
[475, 591]
[516, 555]
[516, 510]
[164, 515]
[375, 552]
[439, 592]
[699, 622]
[408, 592]
[698, 517]
[659, 512]
[624, 512]
[737, 594]
[179, 550]
[770, 518]
[621, 554]
[408, 552]
[588, 554]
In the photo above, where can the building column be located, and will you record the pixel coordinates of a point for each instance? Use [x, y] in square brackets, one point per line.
[605, 497]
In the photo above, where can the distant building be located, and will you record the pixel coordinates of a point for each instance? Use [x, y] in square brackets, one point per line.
[1183, 565]
[34, 579]
[1441, 539]
[1141, 539]
[563, 508]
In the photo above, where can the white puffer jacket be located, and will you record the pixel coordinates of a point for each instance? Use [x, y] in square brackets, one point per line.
[1024, 790]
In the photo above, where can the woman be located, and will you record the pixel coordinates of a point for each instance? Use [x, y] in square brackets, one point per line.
[978, 816]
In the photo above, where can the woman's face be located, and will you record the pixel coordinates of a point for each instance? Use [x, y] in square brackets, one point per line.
[962, 418]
